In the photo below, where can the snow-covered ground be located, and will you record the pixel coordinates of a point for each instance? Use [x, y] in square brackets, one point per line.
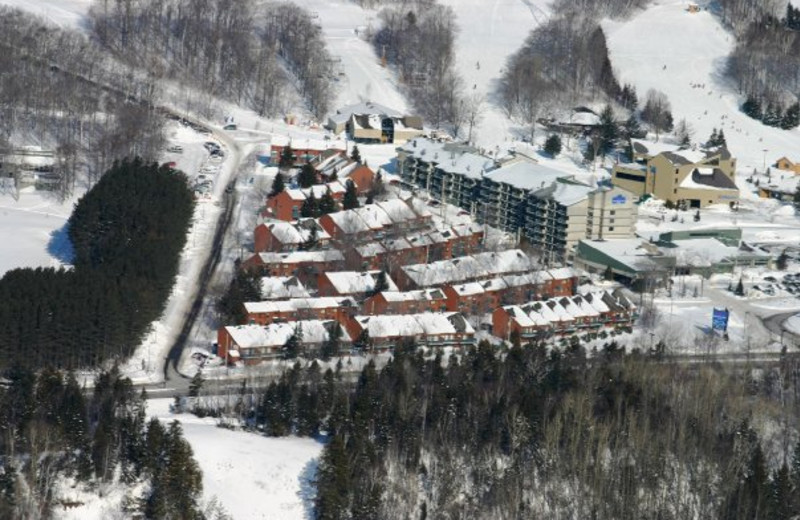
[64, 13]
[252, 476]
[345, 26]
[33, 232]
[683, 55]
[490, 31]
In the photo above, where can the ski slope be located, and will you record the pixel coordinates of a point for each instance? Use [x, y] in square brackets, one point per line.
[490, 31]
[344, 25]
[64, 13]
[683, 55]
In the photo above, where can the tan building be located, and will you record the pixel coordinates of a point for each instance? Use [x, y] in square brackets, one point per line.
[369, 122]
[784, 163]
[695, 177]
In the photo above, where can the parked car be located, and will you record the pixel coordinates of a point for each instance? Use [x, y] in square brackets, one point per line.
[176, 148]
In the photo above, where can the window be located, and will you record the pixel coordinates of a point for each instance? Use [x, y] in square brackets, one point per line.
[295, 213]
[675, 190]
[611, 221]
[629, 177]
[611, 228]
[612, 212]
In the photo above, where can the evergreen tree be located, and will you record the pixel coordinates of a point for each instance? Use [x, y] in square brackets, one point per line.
[631, 129]
[782, 261]
[196, 384]
[333, 482]
[307, 176]
[350, 200]
[381, 284]
[721, 138]
[310, 207]
[327, 204]
[286, 160]
[312, 240]
[739, 291]
[791, 118]
[628, 97]
[781, 496]
[245, 287]
[752, 108]
[291, 349]
[552, 146]
[278, 185]
[332, 346]
[697, 216]
[713, 140]
[609, 132]
[355, 154]
[773, 115]
[683, 133]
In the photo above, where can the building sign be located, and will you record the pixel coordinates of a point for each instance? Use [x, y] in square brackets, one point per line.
[618, 199]
[719, 319]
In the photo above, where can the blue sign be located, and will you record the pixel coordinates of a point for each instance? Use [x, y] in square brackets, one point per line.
[619, 199]
[719, 319]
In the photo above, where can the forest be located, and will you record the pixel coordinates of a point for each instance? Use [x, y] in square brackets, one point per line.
[234, 50]
[127, 232]
[418, 39]
[765, 67]
[59, 89]
[52, 430]
[531, 432]
[562, 62]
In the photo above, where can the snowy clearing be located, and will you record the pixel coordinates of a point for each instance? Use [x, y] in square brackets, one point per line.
[32, 231]
[252, 476]
[64, 13]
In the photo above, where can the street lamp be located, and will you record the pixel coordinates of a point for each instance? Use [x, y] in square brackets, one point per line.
[764, 167]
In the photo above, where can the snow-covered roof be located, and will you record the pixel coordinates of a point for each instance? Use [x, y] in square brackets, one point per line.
[355, 282]
[789, 184]
[297, 257]
[320, 190]
[526, 175]
[370, 249]
[450, 157]
[652, 148]
[465, 268]
[415, 325]
[308, 144]
[705, 252]
[282, 288]
[635, 253]
[373, 216]
[570, 193]
[297, 304]
[412, 296]
[708, 179]
[365, 107]
[288, 233]
[277, 334]
[562, 273]
[397, 210]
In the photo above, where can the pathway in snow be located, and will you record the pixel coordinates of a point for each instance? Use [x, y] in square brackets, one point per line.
[683, 55]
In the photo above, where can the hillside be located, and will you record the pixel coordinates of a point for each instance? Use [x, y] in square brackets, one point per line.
[683, 55]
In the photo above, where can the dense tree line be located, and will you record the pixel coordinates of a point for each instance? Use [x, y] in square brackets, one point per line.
[127, 234]
[62, 91]
[418, 38]
[538, 433]
[229, 49]
[765, 66]
[52, 429]
[562, 60]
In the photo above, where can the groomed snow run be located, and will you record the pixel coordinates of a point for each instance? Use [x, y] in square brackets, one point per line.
[683, 55]
[64, 13]
[252, 476]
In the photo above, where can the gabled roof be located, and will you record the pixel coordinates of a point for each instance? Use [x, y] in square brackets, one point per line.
[713, 178]
[277, 334]
[355, 282]
[364, 107]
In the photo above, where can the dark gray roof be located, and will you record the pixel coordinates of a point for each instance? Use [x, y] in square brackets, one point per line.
[639, 148]
[362, 120]
[717, 179]
[676, 159]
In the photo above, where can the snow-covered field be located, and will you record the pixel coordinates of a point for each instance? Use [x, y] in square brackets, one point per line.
[65, 13]
[32, 231]
[252, 476]
[683, 55]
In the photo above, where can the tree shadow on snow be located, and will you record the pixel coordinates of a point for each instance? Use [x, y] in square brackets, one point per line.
[59, 246]
[308, 487]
